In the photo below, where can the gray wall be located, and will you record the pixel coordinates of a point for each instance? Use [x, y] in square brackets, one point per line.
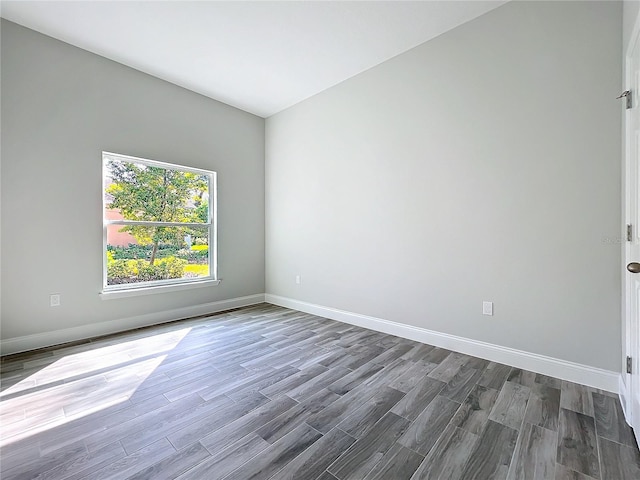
[482, 165]
[61, 107]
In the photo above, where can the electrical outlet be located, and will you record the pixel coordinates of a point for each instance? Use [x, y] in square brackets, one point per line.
[298, 280]
[54, 300]
[487, 308]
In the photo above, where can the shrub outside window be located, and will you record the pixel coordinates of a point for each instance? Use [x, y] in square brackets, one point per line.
[159, 223]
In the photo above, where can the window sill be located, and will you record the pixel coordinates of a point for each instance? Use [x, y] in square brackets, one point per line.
[136, 292]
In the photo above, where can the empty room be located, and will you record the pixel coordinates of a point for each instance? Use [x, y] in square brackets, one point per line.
[320, 240]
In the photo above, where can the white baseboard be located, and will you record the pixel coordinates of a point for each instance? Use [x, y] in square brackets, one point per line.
[574, 372]
[56, 337]
[624, 395]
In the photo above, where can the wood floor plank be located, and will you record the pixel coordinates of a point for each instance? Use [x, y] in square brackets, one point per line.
[494, 376]
[352, 379]
[317, 383]
[511, 405]
[363, 455]
[356, 360]
[425, 430]
[64, 465]
[620, 462]
[136, 425]
[476, 363]
[459, 387]
[313, 462]
[388, 341]
[25, 453]
[223, 462]
[361, 421]
[335, 355]
[161, 427]
[413, 376]
[352, 338]
[449, 367]
[326, 476]
[543, 407]
[565, 473]
[535, 454]
[289, 420]
[473, 415]
[197, 385]
[388, 374]
[275, 457]
[492, 454]
[418, 352]
[449, 455]
[175, 464]
[392, 354]
[576, 398]
[398, 463]
[312, 356]
[247, 424]
[295, 340]
[219, 417]
[436, 355]
[293, 381]
[577, 445]
[277, 359]
[522, 377]
[93, 426]
[256, 385]
[238, 378]
[548, 381]
[134, 463]
[80, 468]
[610, 421]
[328, 418]
[418, 398]
[235, 358]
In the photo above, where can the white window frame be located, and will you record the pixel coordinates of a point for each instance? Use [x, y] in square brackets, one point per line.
[154, 285]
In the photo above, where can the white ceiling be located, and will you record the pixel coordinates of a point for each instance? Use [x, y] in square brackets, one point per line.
[259, 56]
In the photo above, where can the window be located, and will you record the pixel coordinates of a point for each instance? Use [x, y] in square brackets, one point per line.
[159, 223]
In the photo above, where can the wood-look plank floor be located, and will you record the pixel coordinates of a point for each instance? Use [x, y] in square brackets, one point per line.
[264, 392]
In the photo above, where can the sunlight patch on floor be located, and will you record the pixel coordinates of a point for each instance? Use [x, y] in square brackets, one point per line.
[83, 363]
[81, 384]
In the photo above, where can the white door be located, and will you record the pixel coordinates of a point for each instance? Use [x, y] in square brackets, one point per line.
[632, 243]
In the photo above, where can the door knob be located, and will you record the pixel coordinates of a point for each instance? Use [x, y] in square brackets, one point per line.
[634, 267]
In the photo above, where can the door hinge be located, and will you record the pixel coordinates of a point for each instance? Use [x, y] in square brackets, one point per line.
[628, 364]
[629, 232]
[627, 96]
